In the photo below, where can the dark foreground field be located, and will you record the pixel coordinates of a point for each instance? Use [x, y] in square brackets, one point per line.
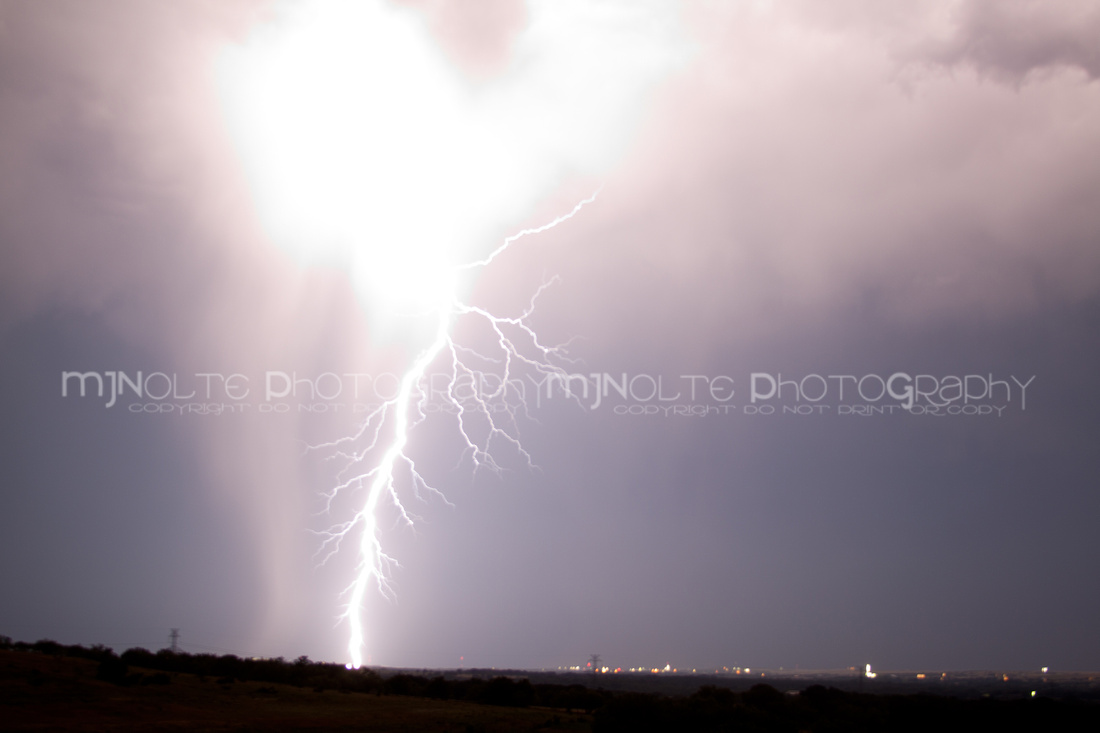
[45, 692]
[46, 686]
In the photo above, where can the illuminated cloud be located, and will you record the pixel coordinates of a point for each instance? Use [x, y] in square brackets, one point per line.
[857, 182]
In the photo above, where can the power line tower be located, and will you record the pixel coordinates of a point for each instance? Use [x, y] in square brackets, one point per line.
[174, 637]
[594, 663]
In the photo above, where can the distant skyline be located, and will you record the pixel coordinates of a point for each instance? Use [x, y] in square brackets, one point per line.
[832, 308]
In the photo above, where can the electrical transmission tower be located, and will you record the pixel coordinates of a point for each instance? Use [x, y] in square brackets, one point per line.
[174, 637]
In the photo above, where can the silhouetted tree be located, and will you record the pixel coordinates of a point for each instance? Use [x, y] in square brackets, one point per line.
[113, 670]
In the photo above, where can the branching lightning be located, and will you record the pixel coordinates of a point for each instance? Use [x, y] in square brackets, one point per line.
[365, 148]
[386, 430]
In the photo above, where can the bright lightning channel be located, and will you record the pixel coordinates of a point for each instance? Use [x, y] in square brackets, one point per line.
[396, 417]
[365, 148]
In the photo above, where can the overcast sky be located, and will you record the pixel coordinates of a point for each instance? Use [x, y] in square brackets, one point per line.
[827, 194]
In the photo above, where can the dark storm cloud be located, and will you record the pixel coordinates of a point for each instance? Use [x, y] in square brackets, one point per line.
[125, 228]
[1015, 40]
[106, 145]
[848, 187]
[822, 166]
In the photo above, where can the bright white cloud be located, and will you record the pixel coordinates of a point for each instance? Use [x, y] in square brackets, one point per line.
[366, 147]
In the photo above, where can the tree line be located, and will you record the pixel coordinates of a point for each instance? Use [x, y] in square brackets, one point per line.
[710, 708]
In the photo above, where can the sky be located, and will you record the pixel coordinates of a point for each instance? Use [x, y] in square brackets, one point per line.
[838, 280]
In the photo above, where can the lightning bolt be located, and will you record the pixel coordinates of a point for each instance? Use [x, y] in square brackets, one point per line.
[351, 124]
[387, 429]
